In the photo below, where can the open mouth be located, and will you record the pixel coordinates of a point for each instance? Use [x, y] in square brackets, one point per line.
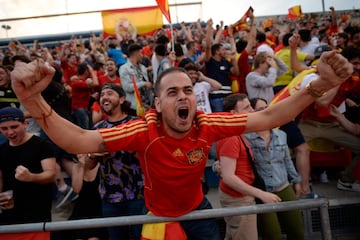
[183, 113]
[106, 103]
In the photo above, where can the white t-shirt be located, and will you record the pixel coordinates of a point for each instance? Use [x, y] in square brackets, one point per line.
[202, 91]
[311, 77]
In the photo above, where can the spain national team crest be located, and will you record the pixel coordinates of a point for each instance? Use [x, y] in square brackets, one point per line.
[196, 156]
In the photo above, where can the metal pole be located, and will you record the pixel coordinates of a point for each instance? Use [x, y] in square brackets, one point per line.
[323, 5]
[141, 219]
[325, 223]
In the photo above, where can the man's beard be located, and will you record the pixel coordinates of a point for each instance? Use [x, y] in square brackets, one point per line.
[109, 112]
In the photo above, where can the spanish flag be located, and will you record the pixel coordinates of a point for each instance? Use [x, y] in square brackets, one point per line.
[164, 7]
[163, 231]
[241, 24]
[142, 20]
[292, 87]
[295, 12]
[140, 110]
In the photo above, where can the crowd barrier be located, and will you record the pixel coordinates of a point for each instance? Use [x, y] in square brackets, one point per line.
[321, 203]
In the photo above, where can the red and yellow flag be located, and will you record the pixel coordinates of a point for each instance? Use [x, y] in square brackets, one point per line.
[165, 9]
[140, 110]
[241, 23]
[295, 12]
[142, 21]
[163, 231]
[292, 87]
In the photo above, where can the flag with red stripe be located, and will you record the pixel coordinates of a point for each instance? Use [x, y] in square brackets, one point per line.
[165, 9]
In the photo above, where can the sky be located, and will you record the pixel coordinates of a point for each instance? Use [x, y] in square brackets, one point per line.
[228, 11]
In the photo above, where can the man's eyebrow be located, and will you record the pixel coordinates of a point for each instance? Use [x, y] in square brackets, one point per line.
[171, 88]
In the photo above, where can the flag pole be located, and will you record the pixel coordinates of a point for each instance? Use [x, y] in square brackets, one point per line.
[172, 37]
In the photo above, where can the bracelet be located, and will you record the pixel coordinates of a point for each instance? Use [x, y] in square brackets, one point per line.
[91, 157]
[44, 116]
[313, 92]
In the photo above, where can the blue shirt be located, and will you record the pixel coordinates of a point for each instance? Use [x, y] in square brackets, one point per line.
[273, 163]
[117, 55]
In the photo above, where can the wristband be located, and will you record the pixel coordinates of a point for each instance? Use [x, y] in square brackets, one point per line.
[313, 92]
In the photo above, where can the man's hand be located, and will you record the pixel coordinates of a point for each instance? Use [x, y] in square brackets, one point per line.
[23, 174]
[294, 41]
[30, 79]
[333, 69]
[268, 197]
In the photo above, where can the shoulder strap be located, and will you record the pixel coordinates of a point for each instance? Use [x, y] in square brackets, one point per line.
[249, 155]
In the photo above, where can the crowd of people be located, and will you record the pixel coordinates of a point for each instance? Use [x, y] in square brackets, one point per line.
[133, 120]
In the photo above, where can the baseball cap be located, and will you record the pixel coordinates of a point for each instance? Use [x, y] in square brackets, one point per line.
[11, 114]
[116, 88]
[320, 49]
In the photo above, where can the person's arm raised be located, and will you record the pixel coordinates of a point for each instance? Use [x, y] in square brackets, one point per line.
[333, 69]
[28, 81]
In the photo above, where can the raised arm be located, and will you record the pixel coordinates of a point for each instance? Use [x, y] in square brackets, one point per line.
[235, 68]
[28, 81]
[333, 70]
[187, 32]
[208, 39]
[219, 33]
[251, 42]
[295, 64]
[215, 85]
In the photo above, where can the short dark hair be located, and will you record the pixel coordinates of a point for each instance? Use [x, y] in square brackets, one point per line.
[344, 35]
[178, 50]
[231, 100]
[81, 68]
[286, 38]
[133, 48]
[215, 47]
[160, 50]
[260, 37]
[351, 52]
[254, 101]
[305, 35]
[162, 39]
[241, 45]
[191, 66]
[163, 74]
[190, 44]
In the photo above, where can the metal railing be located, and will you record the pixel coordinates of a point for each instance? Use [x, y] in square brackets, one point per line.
[321, 203]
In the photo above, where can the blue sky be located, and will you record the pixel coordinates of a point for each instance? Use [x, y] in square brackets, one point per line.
[227, 10]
